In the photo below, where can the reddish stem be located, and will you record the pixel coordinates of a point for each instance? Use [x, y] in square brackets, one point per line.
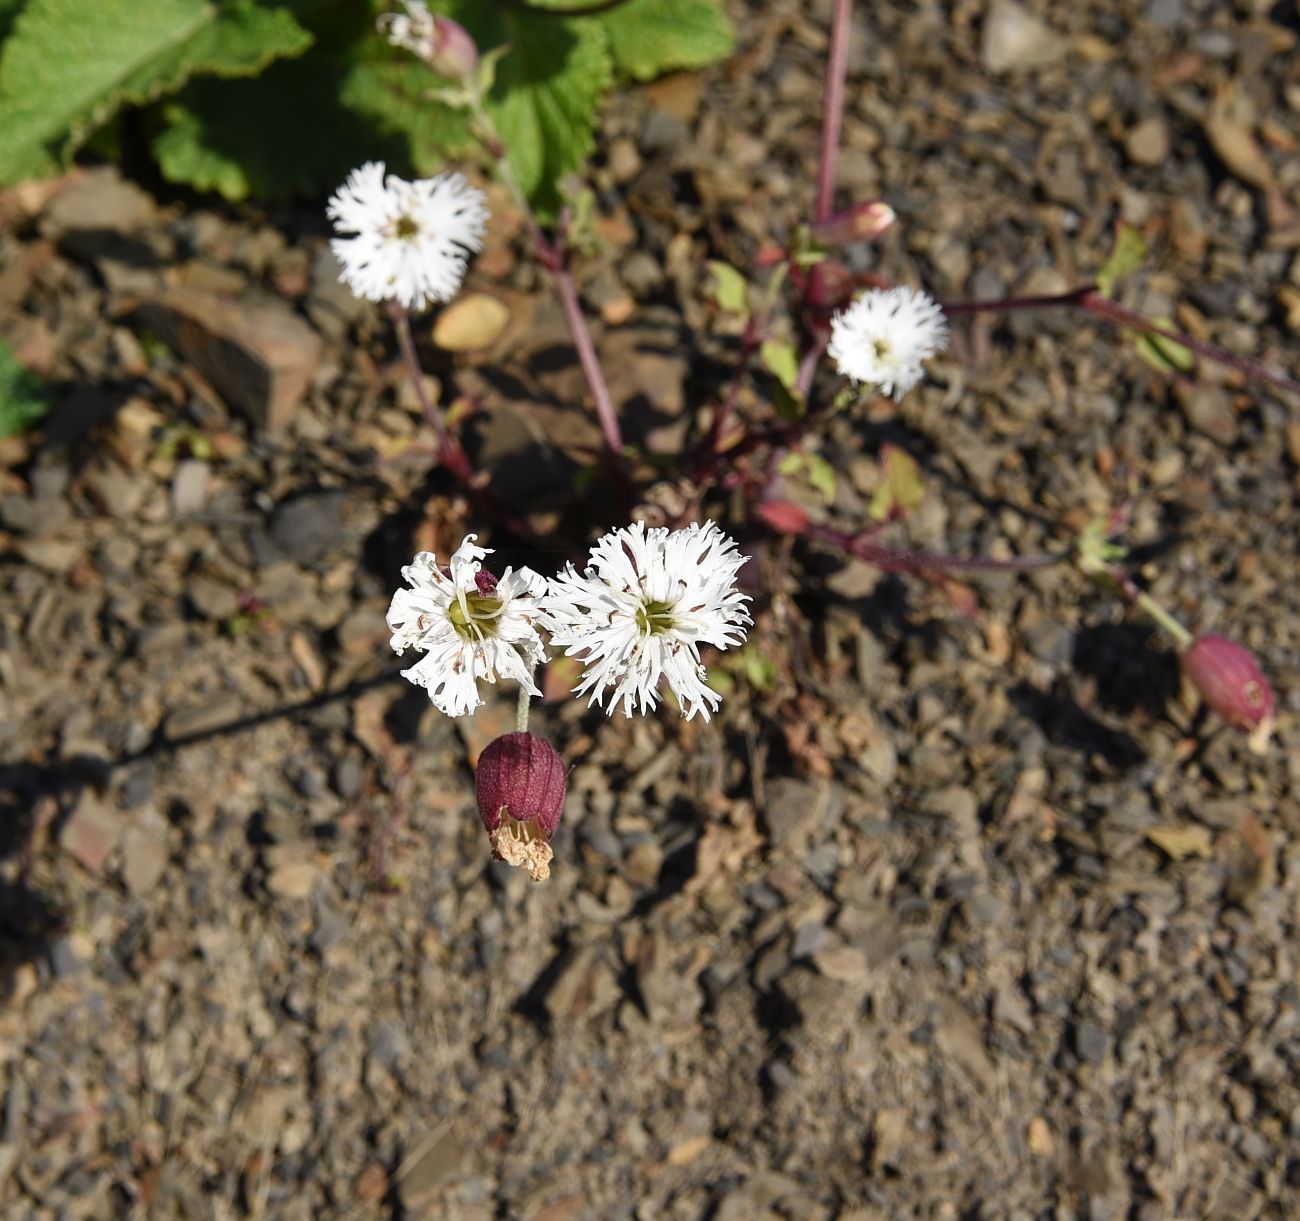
[552, 257]
[450, 452]
[833, 108]
[1089, 298]
[921, 563]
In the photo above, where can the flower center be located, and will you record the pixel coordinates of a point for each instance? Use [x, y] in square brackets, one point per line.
[654, 618]
[474, 616]
[406, 229]
[882, 349]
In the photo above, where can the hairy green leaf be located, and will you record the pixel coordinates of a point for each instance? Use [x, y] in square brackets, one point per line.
[68, 65]
[648, 37]
[546, 91]
[303, 124]
[24, 398]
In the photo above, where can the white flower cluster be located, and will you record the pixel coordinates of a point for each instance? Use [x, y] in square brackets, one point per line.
[638, 614]
[405, 241]
[885, 335]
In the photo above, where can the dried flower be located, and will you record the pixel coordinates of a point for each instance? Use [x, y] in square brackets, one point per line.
[470, 624]
[520, 785]
[640, 612]
[883, 337]
[443, 44]
[1231, 682]
[410, 240]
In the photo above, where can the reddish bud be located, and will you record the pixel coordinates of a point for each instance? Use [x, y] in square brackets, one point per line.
[830, 286]
[451, 52]
[520, 787]
[861, 223]
[784, 517]
[1231, 682]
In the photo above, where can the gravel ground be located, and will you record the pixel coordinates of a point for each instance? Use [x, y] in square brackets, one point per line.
[955, 917]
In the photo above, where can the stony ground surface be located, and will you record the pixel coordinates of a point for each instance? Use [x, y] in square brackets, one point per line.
[957, 918]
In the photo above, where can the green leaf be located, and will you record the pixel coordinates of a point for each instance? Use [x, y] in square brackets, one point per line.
[819, 473]
[901, 490]
[1126, 256]
[822, 476]
[1164, 355]
[781, 360]
[789, 404]
[546, 91]
[303, 124]
[24, 398]
[68, 65]
[649, 37]
[729, 289]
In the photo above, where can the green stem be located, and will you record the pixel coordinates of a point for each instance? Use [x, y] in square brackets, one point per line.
[1128, 588]
[522, 709]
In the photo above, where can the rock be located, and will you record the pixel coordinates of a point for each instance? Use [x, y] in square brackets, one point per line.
[435, 1159]
[1238, 150]
[307, 527]
[475, 320]
[1148, 142]
[292, 879]
[98, 199]
[118, 492]
[197, 719]
[795, 809]
[91, 832]
[36, 517]
[258, 355]
[144, 852]
[190, 486]
[1208, 411]
[212, 599]
[1090, 1042]
[1015, 40]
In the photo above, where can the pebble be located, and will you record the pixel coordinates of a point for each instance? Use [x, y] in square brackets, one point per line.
[1148, 142]
[1014, 40]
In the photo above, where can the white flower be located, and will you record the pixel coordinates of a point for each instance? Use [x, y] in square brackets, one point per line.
[412, 32]
[883, 337]
[410, 240]
[647, 601]
[469, 624]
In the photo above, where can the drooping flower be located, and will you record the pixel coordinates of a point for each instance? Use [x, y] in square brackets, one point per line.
[520, 783]
[405, 241]
[1230, 681]
[885, 335]
[442, 43]
[640, 612]
[469, 624]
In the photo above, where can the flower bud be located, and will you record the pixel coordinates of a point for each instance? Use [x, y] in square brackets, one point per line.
[520, 787]
[443, 44]
[1231, 682]
[452, 52]
[861, 223]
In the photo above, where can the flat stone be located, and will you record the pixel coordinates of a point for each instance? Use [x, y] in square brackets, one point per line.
[91, 832]
[260, 356]
[99, 199]
[144, 852]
